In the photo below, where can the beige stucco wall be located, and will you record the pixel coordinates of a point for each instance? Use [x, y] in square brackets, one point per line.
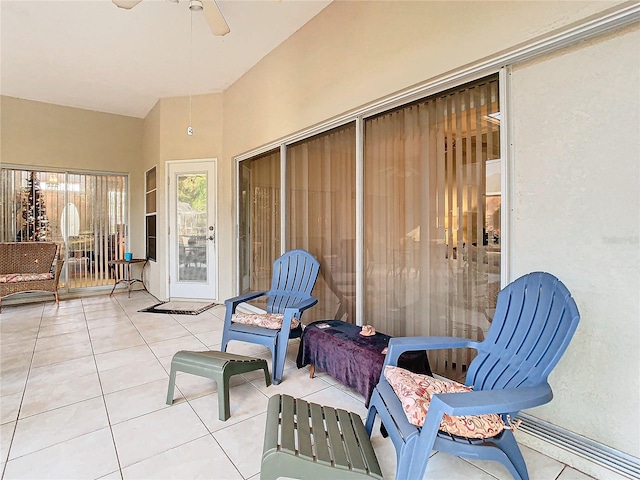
[353, 53]
[356, 52]
[45, 135]
[576, 212]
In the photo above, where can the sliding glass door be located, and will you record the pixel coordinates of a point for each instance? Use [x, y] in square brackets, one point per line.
[321, 209]
[430, 217]
[85, 213]
[259, 220]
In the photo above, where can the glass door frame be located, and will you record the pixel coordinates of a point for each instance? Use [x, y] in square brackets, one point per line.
[208, 289]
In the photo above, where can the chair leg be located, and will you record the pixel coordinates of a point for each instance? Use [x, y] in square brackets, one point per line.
[408, 466]
[374, 402]
[225, 342]
[267, 376]
[172, 384]
[279, 355]
[371, 417]
[276, 380]
[224, 408]
[514, 460]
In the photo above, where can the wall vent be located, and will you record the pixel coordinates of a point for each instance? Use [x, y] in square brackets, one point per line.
[598, 453]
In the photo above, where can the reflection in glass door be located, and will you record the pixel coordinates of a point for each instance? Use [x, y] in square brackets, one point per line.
[192, 226]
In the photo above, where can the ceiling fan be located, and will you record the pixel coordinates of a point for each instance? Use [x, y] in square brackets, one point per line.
[209, 9]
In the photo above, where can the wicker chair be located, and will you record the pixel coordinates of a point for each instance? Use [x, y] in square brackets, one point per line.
[29, 267]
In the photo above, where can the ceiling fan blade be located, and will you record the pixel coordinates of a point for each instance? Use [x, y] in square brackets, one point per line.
[214, 18]
[126, 4]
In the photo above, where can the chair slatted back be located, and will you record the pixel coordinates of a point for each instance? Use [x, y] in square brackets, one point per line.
[294, 276]
[534, 321]
[27, 257]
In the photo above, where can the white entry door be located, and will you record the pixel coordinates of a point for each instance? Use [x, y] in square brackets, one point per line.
[192, 229]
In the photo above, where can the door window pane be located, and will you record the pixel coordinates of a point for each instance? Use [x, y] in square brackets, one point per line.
[192, 227]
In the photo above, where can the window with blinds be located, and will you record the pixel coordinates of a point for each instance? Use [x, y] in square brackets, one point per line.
[85, 213]
[259, 220]
[432, 217]
[321, 209]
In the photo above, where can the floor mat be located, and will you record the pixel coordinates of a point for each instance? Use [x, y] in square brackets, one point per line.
[180, 307]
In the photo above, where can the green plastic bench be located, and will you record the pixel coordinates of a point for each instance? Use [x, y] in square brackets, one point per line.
[218, 366]
[308, 441]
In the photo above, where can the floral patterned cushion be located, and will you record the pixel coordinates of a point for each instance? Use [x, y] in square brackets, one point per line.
[415, 391]
[266, 320]
[24, 277]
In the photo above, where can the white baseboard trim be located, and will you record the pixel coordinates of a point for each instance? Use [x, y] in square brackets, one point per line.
[581, 453]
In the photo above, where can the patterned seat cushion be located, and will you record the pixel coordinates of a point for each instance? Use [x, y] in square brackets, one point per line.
[24, 277]
[415, 391]
[266, 320]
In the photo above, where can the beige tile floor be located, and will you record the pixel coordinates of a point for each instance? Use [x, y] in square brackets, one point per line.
[83, 389]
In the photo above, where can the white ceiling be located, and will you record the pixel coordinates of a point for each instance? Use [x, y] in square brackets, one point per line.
[90, 54]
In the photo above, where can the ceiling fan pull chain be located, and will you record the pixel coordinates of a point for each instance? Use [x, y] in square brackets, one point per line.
[190, 128]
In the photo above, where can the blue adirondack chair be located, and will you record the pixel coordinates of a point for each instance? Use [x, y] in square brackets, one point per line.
[534, 321]
[294, 276]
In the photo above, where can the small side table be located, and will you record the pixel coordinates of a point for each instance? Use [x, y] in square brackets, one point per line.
[128, 279]
[337, 348]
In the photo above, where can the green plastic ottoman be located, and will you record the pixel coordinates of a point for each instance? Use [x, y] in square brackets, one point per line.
[313, 442]
[218, 366]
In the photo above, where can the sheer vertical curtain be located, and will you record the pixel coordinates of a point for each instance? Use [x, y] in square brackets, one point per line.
[259, 220]
[87, 217]
[432, 234]
[321, 216]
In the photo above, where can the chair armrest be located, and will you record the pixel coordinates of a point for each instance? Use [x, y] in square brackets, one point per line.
[296, 311]
[232, 303]
[399, 345]
[302, 306]
[235, 301]
[491, 401]
[478, 403]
